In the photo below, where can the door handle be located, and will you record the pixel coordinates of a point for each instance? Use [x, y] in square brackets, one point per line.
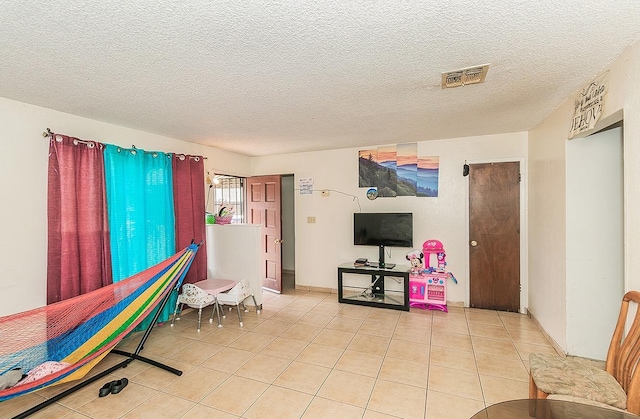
[276, 241]
[473, 243]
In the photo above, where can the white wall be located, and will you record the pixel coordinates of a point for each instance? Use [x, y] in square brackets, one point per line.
[23, 182]
[595, 259]
[547, 205]
[322, 246]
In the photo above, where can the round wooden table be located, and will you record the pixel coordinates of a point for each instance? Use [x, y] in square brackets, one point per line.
[548, 409]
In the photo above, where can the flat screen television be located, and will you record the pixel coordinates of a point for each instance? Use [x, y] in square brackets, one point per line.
[383, 229]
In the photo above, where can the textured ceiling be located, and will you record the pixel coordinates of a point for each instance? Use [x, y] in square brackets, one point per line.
[271, 77]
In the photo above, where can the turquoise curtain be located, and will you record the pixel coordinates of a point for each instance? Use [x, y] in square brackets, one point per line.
[140, 208]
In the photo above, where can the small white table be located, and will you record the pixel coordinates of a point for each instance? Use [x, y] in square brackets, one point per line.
[215, 287]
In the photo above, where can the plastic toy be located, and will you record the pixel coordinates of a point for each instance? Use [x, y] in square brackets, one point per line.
[415, 258]
[428, 287]
[434, 247]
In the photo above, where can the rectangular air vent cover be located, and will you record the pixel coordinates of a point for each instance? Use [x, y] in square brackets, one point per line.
[464, 76]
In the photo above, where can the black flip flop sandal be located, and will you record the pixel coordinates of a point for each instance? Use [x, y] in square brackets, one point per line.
[106, 389]
[118, 385]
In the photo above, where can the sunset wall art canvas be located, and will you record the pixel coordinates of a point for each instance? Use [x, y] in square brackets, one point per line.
[397, 170]
[367, 163]
[378, 168]
[407, 169]
[428, 176]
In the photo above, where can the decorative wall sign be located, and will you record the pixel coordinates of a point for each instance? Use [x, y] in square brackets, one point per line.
[588, 105]
[398, 171]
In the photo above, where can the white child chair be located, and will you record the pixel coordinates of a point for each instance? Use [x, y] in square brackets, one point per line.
[194, 297]
[236, 296]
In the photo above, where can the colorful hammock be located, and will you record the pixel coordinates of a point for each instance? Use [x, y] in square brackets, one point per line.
[82, 330]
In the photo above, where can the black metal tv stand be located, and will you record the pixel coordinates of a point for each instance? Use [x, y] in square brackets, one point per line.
[388, 287]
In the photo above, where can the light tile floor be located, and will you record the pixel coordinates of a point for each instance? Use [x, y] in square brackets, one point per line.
[307, 356]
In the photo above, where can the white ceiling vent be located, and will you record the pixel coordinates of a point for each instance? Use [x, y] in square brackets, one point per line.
[470, 75]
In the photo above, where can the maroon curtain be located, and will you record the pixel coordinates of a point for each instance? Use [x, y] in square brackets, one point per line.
[78, 253]
[188, 201]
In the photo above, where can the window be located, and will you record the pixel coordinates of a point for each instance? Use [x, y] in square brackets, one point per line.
[228, 191]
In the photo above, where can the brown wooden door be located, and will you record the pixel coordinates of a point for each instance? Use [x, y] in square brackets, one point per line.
[263, 207]
[494, 236]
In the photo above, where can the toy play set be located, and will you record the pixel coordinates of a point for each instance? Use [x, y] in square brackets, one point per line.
[428, 284]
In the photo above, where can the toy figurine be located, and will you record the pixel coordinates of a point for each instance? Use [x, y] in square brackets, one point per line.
[442, 261]
[415, 257]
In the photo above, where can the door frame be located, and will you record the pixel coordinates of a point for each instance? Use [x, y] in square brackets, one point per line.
[524, 231]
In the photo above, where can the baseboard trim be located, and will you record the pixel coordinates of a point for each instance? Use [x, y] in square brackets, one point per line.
[553, 343]
[316, 289]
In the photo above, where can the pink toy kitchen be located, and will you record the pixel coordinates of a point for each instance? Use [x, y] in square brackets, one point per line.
[427, 282]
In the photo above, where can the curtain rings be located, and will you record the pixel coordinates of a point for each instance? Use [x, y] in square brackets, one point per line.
[89, 144]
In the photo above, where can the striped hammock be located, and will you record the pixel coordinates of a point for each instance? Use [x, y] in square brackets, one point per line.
[82, 330]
